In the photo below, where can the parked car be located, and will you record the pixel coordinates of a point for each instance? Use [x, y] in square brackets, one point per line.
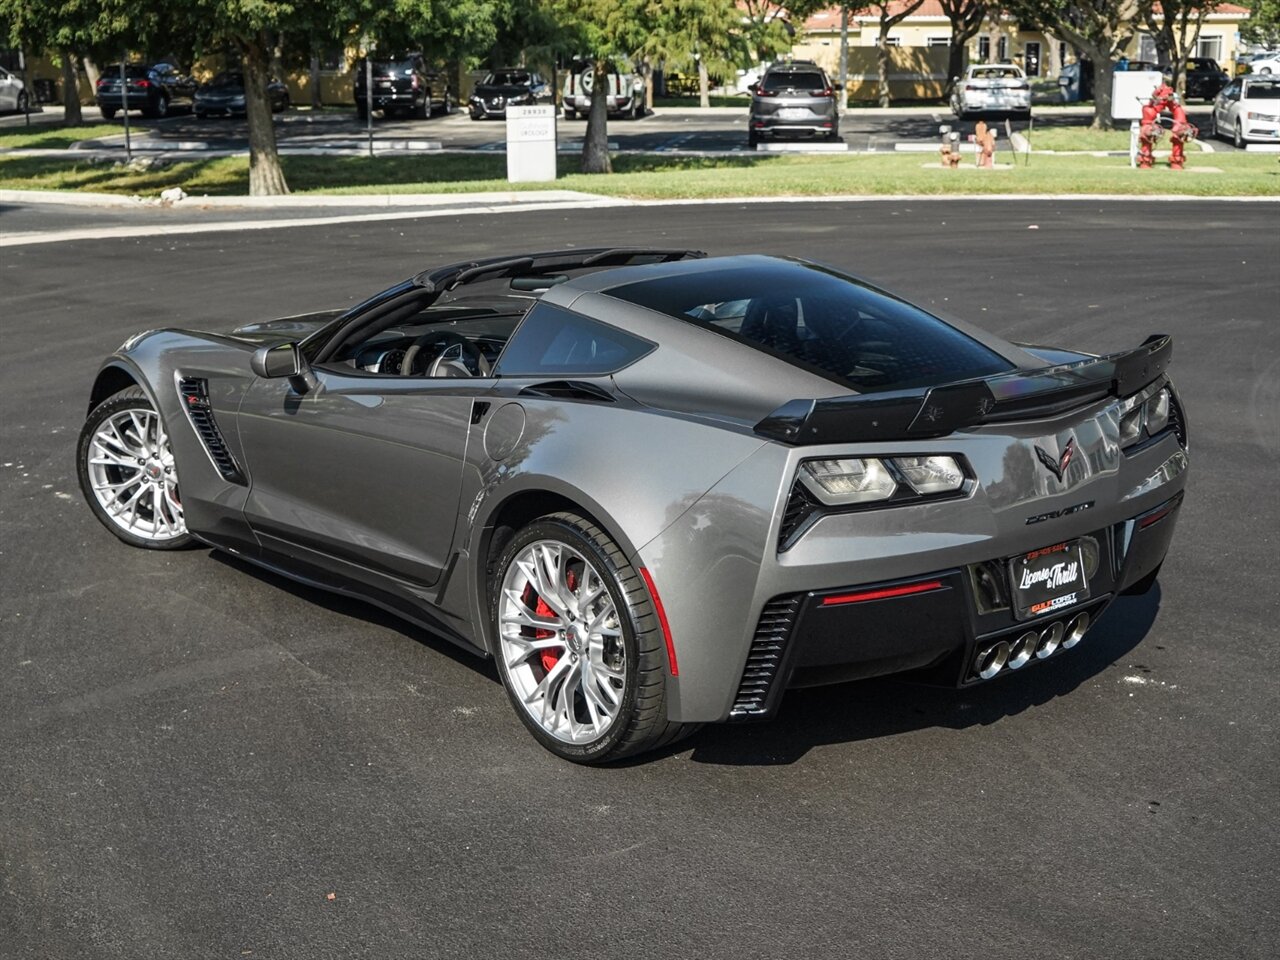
[508, 86]
[224, 96]
[657, 489]
[625, 97]
[13, 92]
[1247, 110]
[1205, 78]
[991, 88]
[406, 85]
[155, 90]
[1265, 64]
[793, 99]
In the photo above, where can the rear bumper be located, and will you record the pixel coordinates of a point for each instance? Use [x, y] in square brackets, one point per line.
[816, 126]
[932, 625]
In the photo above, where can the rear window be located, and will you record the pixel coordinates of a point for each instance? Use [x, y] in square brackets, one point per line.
[507, 78]
[847, 331]
[555, 341]
[793, 79]
[1262, 91]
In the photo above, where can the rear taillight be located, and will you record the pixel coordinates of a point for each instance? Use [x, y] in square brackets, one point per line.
[827, 92]
[972, 86]
[102, 83]
[143, 84]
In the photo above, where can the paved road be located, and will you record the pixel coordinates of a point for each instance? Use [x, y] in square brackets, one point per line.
[194, 755]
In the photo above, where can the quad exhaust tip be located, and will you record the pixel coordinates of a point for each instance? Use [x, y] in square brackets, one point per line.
[1040, 644]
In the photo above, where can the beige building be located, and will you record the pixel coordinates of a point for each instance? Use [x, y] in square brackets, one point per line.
[920, 47]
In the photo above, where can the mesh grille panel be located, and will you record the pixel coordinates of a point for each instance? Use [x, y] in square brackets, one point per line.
[765, 657]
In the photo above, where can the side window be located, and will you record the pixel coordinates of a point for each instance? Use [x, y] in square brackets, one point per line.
[553, 341]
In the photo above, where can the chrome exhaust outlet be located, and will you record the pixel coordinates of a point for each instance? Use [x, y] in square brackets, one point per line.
[1075, 630]
[1050, 637]
[1024, 649]
[991, 660]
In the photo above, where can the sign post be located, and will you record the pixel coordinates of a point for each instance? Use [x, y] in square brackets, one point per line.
[531, 144]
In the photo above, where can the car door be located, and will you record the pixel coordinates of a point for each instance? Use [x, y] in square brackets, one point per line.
[9, 86]
[361, 473]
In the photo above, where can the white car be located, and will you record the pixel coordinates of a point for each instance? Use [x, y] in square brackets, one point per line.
[13, 93]
[1248, 110]
[991, 88]
[1266, 64]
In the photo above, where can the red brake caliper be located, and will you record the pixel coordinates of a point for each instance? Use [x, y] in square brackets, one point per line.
[549, 657]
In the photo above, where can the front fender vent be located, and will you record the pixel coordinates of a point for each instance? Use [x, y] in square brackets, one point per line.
[801, 512]
[195, 400]
[764, 660]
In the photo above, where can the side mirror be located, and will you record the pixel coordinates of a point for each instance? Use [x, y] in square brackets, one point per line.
[754, 88]
[284, 360]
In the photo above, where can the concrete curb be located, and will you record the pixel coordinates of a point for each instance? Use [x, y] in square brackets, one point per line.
[513, 198]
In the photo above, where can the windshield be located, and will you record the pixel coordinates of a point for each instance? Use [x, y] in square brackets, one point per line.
[832, 325]
[227, 80]
[134, 71]
[997, 73]
[1262, 90]
[793, 80]
[507, 78]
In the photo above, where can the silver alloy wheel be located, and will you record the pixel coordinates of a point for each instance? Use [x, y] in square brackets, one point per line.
[132, 473]
[561, 642]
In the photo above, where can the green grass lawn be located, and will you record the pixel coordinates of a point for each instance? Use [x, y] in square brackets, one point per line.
[57, 137]
[662, 177]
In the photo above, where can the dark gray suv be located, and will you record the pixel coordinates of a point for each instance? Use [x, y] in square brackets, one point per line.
[793, 99]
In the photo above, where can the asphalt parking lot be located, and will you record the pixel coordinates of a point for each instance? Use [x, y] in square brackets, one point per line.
[664, 131]
[198, 759]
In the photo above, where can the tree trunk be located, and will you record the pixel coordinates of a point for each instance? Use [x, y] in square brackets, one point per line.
[843, 100]
[71, 90]
[704, 85]
[313, 81]
[955, 63]
[266, 177]
[882, 68]
[91, 72]
[595, 143]
[1103, 73]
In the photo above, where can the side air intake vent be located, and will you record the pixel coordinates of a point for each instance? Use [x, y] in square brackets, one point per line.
[1177, 420]
[802, 509]
[195, 400]
[765, 658]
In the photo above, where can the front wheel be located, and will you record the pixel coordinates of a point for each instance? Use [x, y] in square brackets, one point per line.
[579, 647]
[1238, 141]
[1213, 126]
[570, 114]
[128, 475]
[21, 103]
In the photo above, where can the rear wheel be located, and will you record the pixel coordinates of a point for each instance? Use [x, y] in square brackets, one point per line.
[21, 103]
[579, 647]
[128, 475]
[108, 113]
[160, 108]
[570, 114]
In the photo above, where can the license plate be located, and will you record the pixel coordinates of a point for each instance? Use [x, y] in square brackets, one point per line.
[793, 113]
[1048, 579]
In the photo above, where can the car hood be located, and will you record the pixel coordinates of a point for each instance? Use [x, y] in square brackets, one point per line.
[286, 328]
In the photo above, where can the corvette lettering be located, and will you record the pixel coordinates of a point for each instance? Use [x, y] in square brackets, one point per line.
[1059, 575]
[1064, 512]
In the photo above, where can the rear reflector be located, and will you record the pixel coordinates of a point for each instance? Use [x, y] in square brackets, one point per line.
[882, 594]
[1156, 517]
[662, 620]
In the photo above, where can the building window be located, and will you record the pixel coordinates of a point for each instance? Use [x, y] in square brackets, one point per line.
[938, 42]
[1002, 49]
[984, 49]
[893, 41]
[1147, 48]
[1210, 47]
[1062, 54]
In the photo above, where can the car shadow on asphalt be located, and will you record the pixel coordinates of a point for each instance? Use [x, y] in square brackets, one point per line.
[871, 709]
[360, 609]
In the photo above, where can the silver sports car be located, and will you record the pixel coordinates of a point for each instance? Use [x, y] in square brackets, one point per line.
[659, 489]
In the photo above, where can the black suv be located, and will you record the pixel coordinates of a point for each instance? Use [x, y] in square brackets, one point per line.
[404, 84]
[155, 90]
[1205, 79]
[794, 98]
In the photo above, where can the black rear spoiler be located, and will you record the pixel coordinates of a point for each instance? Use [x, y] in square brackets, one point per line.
[938, 411]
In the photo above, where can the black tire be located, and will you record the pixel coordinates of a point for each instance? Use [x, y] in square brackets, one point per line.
[422, 112]
[1213, 127]
[21, 103]
[1238, 141]
[132, 398]
[201, 115]
[362, 112]
[108, 113]
[753, 139]
[570, 114]
[159, 110]
[641, 723]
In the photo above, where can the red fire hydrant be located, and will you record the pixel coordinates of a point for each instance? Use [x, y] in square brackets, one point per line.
[1164, 100]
